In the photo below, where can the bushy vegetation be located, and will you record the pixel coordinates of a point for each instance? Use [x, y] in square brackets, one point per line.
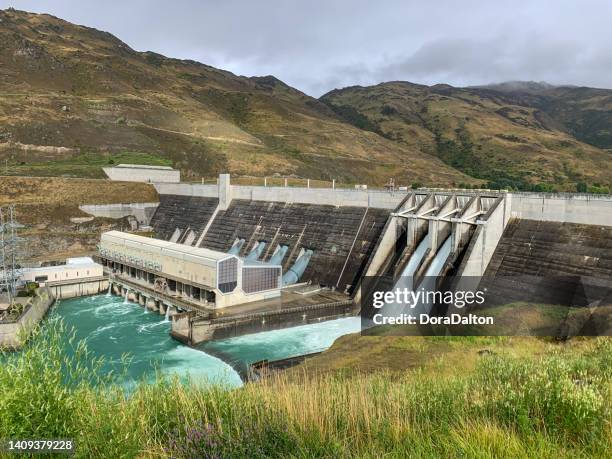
[596, 188]
[557, 405]
[460, 154]
[13, 313]
[353, 116]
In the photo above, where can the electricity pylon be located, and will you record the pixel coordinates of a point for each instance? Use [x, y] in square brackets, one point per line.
[10, 252]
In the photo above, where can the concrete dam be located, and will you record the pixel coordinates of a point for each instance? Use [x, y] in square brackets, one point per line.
[330, 240]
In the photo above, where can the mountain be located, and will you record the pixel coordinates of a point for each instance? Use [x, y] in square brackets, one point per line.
[524, 135]
[70, 93]
[73, 98]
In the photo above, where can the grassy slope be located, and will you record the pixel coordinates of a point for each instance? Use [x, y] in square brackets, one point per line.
[397, 348]
[203, 119]
[37, 200]
[536, 399]
[501, 136]
[80, 165]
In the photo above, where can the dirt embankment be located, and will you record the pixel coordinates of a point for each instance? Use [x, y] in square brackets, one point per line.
[46, 205]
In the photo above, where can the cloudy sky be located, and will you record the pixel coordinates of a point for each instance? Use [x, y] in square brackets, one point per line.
[319, 45]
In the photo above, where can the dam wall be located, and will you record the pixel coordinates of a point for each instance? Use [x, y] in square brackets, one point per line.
[560, 207]
[226, 192]
[589, 209]
[354, 231]
[187, 189]
[544, 248]
[185, 212]
[546, 262]
[342, 238]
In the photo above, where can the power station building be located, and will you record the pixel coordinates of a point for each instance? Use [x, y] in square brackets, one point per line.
[74, 269]
[200, 276]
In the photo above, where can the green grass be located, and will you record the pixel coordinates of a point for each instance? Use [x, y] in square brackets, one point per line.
[549, 406]
[83, 165]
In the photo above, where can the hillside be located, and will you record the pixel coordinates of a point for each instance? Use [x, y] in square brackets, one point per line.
[69, 91]
[49, 210]
[522, 135]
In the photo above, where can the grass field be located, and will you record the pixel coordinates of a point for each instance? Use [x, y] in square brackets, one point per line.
[551, 403]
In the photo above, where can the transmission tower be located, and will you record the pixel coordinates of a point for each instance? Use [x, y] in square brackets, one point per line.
[10, 253]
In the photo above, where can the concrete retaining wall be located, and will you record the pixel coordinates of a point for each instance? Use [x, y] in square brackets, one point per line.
[143, 211]
[588, 209]
[12, 334]
[82, 288]
[142, 174]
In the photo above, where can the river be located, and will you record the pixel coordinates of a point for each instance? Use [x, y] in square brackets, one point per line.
[114, 328]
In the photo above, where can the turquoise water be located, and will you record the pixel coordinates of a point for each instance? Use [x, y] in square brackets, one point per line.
[113, 328]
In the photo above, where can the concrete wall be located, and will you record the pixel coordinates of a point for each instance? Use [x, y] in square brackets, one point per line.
[142, 174]
[485, 240]
[143, 211]
[81, 288]
[13, 333]
[188, 189]
[195, 331]
[320, 196]
[588, 209]
[563, 207]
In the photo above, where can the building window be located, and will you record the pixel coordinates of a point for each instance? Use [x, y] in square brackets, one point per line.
[259, 279]
[227, 277]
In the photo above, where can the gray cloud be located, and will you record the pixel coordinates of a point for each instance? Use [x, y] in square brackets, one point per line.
[320, 45]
